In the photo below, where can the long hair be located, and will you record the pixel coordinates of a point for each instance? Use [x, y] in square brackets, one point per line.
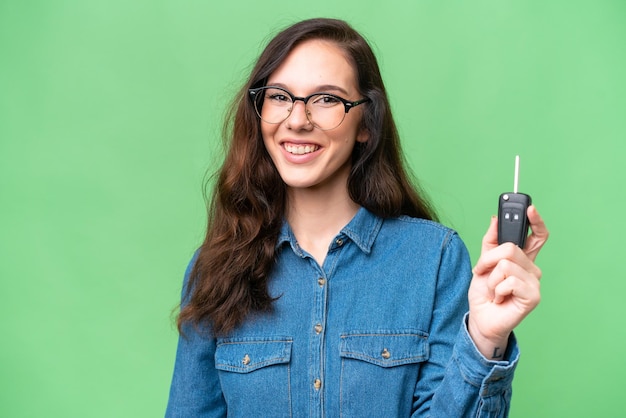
[229, 279]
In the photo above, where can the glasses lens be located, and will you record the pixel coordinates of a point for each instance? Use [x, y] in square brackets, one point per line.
[273, 105]
[325, 111]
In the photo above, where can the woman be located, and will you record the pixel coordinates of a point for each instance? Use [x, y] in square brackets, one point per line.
[324, 286]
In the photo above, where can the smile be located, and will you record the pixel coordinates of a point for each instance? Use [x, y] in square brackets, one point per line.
[300, 149]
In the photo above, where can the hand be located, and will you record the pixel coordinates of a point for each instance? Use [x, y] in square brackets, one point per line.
[505, 287]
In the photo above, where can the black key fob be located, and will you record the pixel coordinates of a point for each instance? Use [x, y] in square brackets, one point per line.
[512, 219]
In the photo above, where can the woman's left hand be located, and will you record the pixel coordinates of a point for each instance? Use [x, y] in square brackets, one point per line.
[505, 287]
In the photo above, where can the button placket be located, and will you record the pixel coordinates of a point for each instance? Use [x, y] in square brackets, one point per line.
[320, 292]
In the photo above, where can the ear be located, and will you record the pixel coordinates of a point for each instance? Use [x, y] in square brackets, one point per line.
[363, 135]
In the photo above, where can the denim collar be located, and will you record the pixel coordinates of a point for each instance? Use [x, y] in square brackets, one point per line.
[362, 230]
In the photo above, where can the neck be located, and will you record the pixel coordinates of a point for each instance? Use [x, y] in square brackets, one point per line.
[322, 212]
[317, 216]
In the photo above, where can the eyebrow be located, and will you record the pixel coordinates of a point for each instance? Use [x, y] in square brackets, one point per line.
[320, 89]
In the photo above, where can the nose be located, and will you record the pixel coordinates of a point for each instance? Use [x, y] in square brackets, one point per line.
[299, 119]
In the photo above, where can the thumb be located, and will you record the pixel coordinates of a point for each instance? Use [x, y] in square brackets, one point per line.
[490, 239]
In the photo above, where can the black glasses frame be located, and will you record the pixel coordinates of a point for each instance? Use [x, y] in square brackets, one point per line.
[346, 103]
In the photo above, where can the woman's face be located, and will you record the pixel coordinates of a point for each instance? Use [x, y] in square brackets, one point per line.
[306, 156]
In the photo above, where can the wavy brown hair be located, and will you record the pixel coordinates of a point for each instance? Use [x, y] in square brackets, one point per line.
[230, 276]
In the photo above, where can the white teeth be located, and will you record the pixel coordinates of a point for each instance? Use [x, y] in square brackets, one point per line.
[300, 149]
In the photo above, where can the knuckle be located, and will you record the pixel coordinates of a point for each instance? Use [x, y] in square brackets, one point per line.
[505, 264]
[508, 246]
[537, 299]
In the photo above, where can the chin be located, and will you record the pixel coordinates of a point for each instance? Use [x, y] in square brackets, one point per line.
[299, 184]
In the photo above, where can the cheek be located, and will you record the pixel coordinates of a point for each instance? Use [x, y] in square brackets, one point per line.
[350, 135]
[354, 129]
[267, 133]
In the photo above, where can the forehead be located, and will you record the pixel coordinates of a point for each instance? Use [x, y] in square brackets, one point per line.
[312, 64]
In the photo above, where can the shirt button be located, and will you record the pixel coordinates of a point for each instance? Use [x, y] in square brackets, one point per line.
[385, 354]
[339, 242]
[321, 281]
[317, 384]
[246, 360]
[318, 328]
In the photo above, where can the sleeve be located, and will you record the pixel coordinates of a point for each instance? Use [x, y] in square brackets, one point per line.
[195, 389]
[458, 381]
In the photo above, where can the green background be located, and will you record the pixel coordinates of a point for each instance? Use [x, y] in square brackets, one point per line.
[110, 114]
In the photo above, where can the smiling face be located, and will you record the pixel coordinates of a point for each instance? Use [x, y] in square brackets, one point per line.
[305, 156]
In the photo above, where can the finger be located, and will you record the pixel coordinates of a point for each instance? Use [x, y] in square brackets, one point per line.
[526, 292]
[508, 251]
[507, 268]
[490, 241]
[539, 234]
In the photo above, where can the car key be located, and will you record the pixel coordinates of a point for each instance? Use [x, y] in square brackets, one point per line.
[512, 218]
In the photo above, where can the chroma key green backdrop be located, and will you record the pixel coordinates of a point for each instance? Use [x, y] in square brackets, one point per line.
[110, 113]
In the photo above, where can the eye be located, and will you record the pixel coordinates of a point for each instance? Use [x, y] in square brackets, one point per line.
[277, 96]
[325, 100]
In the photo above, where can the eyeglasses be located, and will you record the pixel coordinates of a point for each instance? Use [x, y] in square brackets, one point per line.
[323, 110]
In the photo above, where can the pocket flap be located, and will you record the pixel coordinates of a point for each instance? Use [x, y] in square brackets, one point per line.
[247, 355]
[387, 349]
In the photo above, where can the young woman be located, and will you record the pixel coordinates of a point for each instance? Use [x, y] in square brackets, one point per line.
[324, 286]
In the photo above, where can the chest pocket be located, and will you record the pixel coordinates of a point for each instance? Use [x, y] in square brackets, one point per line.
[386, 350]
[253, 372]
[377, 367]
[248, 355]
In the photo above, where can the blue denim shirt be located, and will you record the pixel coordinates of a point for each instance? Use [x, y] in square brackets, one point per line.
[377, 331]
